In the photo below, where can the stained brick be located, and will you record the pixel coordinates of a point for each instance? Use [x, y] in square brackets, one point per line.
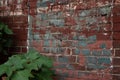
[116, 77]
[116, 44]
[116, 27]
[71, 32]
[116, 61]
[116, 70]
[117, 53]
[116, 36]
[116, 19]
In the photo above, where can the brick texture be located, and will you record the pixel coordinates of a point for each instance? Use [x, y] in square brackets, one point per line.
[81, 36]
[116, 41]
[77, 35]
[13, 15]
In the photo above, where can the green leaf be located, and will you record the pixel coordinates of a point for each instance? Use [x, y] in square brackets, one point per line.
[15, 61]
[31, 55]
[3, 69]
[1, 26]
[7, 30]
[22, 75]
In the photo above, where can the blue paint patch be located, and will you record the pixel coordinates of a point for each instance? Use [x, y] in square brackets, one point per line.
[42, 16]
[36, 37]
[70, 67]
[77, 51]
[43, 3]
[63, 59]
[82, 38]
[56, 22]
[107, 52]
[93, 66]
[92, 39]
[86, 52]
[104, 61]
[96, 53]
[82, 44]
[46, 43]
[48, 36]
[54, 43]
[57, 50]
[91, 60]
[46, 50]
[103, 46]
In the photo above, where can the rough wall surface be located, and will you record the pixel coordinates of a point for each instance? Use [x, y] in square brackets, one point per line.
[14, 14]
[77, 34]
[82, 36]
[116, 40]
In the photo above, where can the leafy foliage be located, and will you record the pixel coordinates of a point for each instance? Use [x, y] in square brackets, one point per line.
[5, 38]
[29, 66]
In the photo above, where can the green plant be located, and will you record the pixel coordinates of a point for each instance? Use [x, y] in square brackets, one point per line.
[5, 38]
[28, 66]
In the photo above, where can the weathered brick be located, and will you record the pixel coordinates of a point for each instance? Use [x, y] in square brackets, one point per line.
[116, 36]
[116, 27]
[117, 53]
[116, 43]
[116, 70]
[116, 61]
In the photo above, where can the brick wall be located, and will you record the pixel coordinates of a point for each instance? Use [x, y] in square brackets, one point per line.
[77, 35]
[116, 40]
[13, 13]
[81, 36]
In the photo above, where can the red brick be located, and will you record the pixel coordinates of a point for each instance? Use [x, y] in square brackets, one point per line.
[20, 18]
[116, 61]
[24, 49]
[117, 1]
[116, 27]
[117, 53]
[116, 70]
[101, 36]
[78, 67]
[116, 77]
[116, 9]
[20, 37]
[116, 19]
[15, 49]
[116, 35]
[19, 43]
[116, 43]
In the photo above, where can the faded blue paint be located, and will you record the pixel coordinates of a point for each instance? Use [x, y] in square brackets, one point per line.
[48, 36]
[57, 50]
[82, 38]
[70, 67]
[77, 51]
[103, 60]
[42, 16]
[46, 43]
[54, 43]
[92, 39]
[36, 37]
[93, 66]
[103, 45]
[97, 53]
[92, 60]
[82, 43]
[104, 10]
[106, 52]
[63, 59]
[46, 50]
[86, 52]
[57, 22]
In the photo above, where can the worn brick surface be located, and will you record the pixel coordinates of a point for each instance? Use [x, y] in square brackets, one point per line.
[81, 36]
